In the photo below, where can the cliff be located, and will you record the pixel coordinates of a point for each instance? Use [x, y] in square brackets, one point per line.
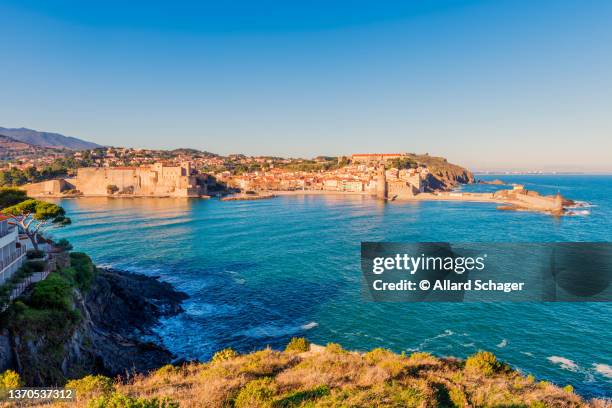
[306, 375]
[442, 174]
[97, 331]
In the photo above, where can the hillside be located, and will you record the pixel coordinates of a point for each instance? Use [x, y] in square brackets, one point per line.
[329, 377]
[47, 139]
[11, 148]
[443, 175]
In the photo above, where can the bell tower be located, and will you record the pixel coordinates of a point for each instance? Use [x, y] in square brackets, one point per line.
[381, 182]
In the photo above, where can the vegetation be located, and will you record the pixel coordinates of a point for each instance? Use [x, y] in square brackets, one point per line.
[299, 344]
[327, 377]
[402, 163]
[35, 254]
[10, 196]
[24, 272]
[48, 311]
[485, 363]
[58, 168]
[118, 400]
[10, 379]
[224, 355]
[33, 216]
[64, 244]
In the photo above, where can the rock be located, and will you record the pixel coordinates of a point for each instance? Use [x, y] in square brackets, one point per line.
[116, 312]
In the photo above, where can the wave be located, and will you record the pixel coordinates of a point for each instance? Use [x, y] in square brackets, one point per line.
[564, 363]
[502, 343]
[603, 369]
[421, 346]
[582, 204]
[271, 330]
[578, 213]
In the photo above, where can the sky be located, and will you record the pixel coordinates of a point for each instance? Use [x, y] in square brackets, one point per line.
[492, 85]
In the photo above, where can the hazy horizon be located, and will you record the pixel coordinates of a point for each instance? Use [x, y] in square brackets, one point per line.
[490, 85]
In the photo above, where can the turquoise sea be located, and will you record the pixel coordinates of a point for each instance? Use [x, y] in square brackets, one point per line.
[259, 272]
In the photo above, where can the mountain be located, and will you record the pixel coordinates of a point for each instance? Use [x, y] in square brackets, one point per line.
[47, 139]
[11, 149]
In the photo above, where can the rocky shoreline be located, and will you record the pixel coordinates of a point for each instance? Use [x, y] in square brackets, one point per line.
[124, 307]
[116, 312]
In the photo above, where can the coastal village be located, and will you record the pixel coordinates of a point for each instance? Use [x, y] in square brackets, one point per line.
[386, 176]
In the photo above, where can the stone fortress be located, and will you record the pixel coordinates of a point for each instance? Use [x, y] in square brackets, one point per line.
[156, 180]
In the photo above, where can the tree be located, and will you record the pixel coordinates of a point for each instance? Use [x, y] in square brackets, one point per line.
[34, 215]
[10, 196]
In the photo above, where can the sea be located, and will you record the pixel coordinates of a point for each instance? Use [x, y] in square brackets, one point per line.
[260, 272]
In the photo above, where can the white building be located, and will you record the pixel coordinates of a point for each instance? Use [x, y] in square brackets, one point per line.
[12, 252]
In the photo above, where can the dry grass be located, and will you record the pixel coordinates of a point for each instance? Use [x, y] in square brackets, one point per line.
[333, 377]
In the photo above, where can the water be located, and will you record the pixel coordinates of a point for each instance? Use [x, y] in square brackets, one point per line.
[259, 272]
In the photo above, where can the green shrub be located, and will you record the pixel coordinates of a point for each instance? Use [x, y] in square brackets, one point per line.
[34, 266]
[223, 355]
[421, 355]
[91, 384]
[568, 388]
[84, 268]
[118, 400]
[334, 348]
[298, 344]
[256, 394]
[53, 293]
[483, 362]
[375, 355]
[64, 244]
[298, 398]
[35, 253]
[10, 379]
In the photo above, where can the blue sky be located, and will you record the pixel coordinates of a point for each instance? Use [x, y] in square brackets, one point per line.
[489, 84]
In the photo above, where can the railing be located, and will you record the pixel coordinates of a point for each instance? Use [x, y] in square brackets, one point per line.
[33, 278]
[19, 252]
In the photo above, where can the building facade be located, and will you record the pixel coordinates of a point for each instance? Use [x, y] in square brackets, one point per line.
[12, 252]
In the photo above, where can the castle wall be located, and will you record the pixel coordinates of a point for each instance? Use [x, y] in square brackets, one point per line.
[49, 187]
[156, 180]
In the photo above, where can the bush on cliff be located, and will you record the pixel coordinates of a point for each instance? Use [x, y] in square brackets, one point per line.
[35, 254]
[84, 268]
[118, 400]
[298, 344]
[91, 384]
[34, 266]
[484, 362]
[55, 292]
[225, 354]
[10, 379]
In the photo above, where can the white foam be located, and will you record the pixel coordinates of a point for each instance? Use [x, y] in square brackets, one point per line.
[564, 363]
[603, 369]
[503, 343]
[578, 213]
[309, 326]
[582, 204]
[271, 330]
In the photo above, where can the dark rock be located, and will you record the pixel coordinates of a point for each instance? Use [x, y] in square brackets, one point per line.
[116, 312]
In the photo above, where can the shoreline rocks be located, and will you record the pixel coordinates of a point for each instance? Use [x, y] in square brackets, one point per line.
[116, 313]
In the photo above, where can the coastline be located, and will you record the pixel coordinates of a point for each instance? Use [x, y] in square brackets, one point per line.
[506, 203]
[111, 337]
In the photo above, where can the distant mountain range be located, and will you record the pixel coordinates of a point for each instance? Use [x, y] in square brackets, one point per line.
[47, 139]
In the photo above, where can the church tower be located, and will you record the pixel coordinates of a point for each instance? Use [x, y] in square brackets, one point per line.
[381, 182]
